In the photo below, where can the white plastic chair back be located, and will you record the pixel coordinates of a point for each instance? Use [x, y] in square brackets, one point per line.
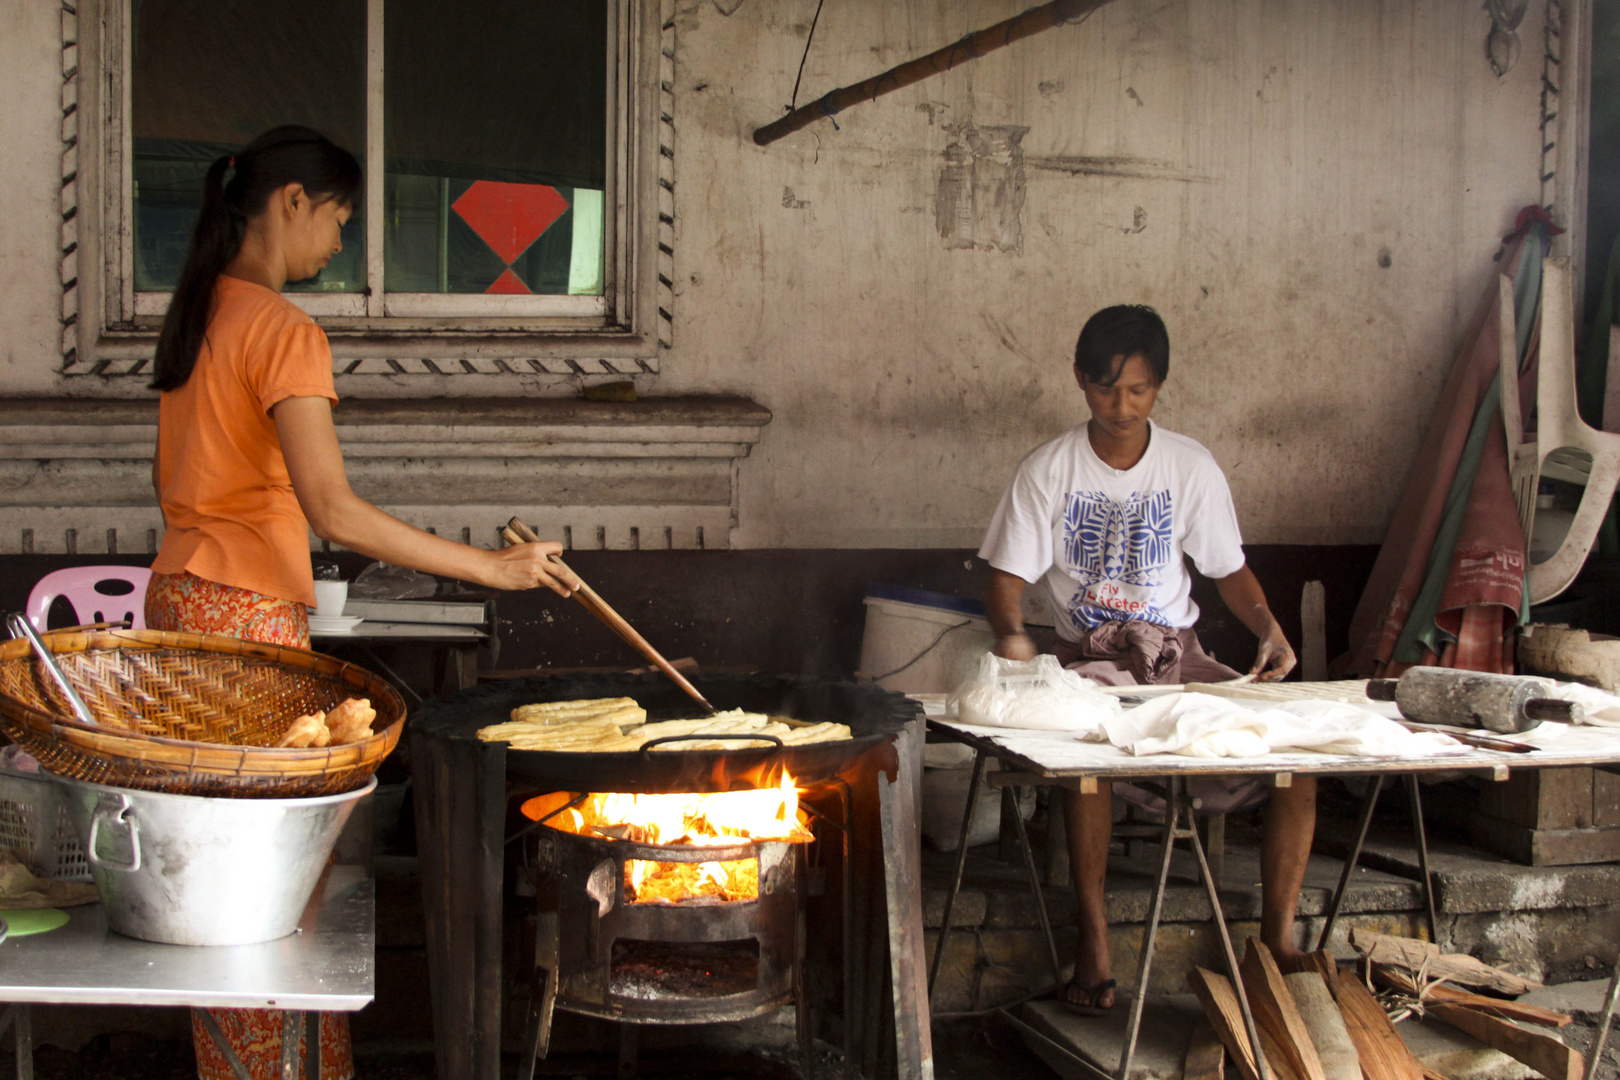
[1565, 447]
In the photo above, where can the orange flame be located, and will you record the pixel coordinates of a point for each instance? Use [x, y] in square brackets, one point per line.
[718, 819]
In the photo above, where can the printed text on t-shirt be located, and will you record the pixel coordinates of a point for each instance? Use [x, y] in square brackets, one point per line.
[1117, 551]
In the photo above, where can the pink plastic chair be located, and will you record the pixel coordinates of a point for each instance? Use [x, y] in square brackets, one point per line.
[78, 586]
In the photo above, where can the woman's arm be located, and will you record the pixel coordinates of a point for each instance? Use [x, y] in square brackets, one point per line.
[1003, 606]
[315, 463]
[1244, 598]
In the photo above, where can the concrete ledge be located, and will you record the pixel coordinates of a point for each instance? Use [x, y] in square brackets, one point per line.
[75, 476]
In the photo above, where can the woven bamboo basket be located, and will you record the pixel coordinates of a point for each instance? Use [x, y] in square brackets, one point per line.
[191, 714]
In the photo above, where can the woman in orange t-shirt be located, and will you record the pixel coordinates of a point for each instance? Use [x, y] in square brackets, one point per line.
[248, 461]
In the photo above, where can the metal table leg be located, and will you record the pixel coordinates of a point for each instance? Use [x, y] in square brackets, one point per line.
[312, 1042]
[291, 1023]
[1035, 887]
[961, 865]
[1420, 836]
[1133, 1027]
[18, 1014]
[1423, 855]
[1594, 1058]
[1175, 808]
[1369, 803]
[211, 1026]
[1213, 888]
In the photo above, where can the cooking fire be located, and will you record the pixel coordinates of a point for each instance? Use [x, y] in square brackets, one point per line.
[720, 819]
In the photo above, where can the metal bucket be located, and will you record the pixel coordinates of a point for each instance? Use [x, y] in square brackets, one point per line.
[189, 870]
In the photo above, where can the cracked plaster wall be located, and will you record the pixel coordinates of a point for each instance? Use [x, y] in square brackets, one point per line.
[1309, 192]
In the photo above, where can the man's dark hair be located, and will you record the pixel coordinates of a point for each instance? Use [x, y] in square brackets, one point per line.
[1122, 331]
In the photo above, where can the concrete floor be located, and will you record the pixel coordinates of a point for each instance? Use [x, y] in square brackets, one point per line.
[969, 1049]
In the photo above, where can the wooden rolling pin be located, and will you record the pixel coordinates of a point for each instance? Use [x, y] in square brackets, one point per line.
[516, 532]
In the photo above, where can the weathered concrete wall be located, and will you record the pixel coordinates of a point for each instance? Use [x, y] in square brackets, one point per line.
[1309, 192]
[30, 169]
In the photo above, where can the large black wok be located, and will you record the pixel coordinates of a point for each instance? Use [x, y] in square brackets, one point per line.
[873, 714]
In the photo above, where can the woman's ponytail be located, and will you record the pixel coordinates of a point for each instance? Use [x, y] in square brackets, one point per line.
[282, 156]
[214, 244]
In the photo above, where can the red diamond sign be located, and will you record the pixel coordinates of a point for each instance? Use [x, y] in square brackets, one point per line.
[508, 282]
[510, 217]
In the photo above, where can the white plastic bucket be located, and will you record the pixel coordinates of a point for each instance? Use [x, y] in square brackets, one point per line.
[919, 642]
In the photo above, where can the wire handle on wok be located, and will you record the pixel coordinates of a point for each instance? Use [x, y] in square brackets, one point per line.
[21, 627]
[650, 743]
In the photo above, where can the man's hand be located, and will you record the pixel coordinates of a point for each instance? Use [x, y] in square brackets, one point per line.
[1015, 646]
[1003, 606]
[1275, 657]
[1243, 597]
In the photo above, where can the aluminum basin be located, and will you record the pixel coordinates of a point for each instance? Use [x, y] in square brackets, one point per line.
[190, 870]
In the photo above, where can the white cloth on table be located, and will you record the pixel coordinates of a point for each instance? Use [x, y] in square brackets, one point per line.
[1203, 725]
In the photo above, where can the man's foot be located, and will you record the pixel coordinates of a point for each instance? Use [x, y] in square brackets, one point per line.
[1093, 1000]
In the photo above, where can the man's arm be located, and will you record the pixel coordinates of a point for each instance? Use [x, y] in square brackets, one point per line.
[1003, 606]
[1244, 598]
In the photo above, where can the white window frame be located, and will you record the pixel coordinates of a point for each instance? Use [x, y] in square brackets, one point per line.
[115, 327]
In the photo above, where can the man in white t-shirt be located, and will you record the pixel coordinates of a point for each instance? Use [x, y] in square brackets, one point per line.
[1102, 517]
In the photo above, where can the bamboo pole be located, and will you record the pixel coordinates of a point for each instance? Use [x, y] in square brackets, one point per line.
[1033, 21]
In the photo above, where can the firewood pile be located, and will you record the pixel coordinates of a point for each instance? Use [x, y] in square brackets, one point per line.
[1322, 1022]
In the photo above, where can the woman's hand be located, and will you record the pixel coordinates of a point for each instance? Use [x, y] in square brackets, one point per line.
[528, 566]
[1275, 658]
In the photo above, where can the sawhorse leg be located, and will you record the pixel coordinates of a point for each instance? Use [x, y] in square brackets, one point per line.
[1010, 801]
[1594, 1059]
[17, 1016]
[961, 865]
[1369, 803]
[1176, 812]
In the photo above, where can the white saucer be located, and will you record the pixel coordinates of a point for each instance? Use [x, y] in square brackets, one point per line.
[340, 624]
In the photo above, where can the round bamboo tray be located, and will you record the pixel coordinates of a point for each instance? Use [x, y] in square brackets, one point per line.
[191, 714]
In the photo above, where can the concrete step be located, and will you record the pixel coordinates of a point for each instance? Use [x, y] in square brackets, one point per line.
[998, 955]
[1553, 924]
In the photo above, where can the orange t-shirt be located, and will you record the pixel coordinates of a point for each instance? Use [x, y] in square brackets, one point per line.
[228, 503]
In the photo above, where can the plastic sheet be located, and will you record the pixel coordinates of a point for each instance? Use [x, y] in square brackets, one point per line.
[1038, 693]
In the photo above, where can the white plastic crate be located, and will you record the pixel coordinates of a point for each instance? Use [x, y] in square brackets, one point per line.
[34, 819]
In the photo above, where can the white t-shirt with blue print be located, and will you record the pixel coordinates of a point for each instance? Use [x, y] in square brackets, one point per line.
[1108, 544]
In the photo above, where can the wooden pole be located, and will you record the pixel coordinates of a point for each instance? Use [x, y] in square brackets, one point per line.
[1033, 21]
[516, 532]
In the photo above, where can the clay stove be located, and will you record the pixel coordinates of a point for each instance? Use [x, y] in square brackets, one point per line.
[652, 926]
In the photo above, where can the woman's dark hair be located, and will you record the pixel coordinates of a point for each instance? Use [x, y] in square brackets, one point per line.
[281, 156]
[1125, 330]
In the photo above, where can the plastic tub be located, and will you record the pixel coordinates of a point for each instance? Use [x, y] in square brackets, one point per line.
[921, 642]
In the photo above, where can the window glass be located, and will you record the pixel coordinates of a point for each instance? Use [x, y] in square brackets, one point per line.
[495, 118]
[209, 76]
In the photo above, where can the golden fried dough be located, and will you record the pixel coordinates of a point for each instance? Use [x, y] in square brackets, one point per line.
[306, 731]
[351, 721]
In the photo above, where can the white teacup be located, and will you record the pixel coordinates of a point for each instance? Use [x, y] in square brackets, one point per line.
[330, 596]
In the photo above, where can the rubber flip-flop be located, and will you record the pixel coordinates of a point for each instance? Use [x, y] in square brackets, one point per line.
[1093, 992]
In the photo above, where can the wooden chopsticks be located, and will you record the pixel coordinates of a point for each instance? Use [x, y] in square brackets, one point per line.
[516, 532]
